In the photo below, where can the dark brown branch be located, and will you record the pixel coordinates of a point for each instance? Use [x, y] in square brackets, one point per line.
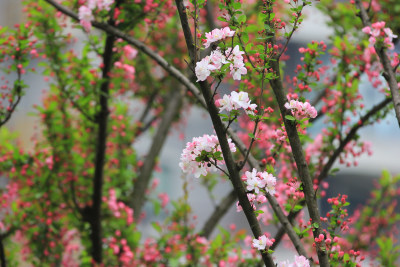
[2, 254]
[232, 169]
[301, 163]
[389, 74]
[102, 121]
[223, 141]
[138, 195]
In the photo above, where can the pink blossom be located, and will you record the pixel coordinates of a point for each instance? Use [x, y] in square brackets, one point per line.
[208, 143]
[203, 69]
[236, 101]
[217, 35]
[104, 4]
[129, 52]
[299, 261]
[301, 110]
[262, 242]
[85, 17]
[164, 199]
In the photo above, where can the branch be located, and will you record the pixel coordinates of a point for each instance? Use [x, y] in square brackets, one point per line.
[102, 121]
[143, 180]
[223, 141]
[2, 254]
[299, 158]
[389, 74]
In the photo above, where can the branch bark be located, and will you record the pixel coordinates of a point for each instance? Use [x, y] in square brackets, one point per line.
[2, 254]
[223, 141]
[389, 73]
[102, 121]
[301, 163]
[141, 184]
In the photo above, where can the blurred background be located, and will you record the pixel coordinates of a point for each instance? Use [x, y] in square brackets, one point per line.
[355, 181]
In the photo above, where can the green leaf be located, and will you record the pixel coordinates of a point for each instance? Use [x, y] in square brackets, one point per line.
[316, 225]
[242, 19]
[237, 5]
[297, 208]
[245, 38]
[251, 135]
[290, 118]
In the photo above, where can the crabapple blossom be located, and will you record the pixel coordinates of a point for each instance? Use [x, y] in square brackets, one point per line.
[236, 101]
[253, 182]
[262, 242]
[299, 261]
[224, 103]
[203, 69]
[196, 158]
[85, 17]
[217, 35]
[270, 182]
[377, 30]
[237, 68]
[301, 110]
[105, 4]
[260, 180]
[129, 52]
[217, 59]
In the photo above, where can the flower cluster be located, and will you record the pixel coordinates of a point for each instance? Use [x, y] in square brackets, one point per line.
[236, 101]
[301, 110]
[86, 11]
[260, 180]
[199, 155]
[217, 35]
[299, 261]
[217, 59]
[377, 30]
[262, 242]
[118, 207]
